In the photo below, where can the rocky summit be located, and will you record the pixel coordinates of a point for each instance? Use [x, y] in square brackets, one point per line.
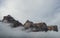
[35, 27]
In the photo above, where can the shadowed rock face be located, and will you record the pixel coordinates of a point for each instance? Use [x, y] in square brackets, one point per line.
[10, 19]
[54, 28]
[16, 24]
[38, 26]
[41, 26]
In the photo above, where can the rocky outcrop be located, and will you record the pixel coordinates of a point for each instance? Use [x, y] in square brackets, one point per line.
[53, 27]
[41, 26]
[28, 24]
[10, 19]
[35, 27]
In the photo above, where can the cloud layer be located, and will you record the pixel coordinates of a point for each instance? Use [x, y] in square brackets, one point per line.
[7, 32]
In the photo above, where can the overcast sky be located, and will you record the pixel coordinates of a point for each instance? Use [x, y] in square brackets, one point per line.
[35, 10]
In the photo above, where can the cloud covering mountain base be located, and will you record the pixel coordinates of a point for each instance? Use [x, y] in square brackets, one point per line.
[7, 31]
[35, 10]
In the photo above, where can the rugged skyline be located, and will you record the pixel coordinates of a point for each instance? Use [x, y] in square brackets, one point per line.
[35, 10]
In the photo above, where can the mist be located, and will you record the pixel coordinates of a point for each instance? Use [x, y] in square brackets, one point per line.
[6, 32]
[47, 11]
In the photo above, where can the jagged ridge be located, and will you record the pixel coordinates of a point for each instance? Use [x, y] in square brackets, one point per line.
[29, 25]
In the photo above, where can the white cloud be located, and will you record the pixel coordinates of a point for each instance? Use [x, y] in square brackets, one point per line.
[7, 31]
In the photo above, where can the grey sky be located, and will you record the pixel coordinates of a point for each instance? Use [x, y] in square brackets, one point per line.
[35, 10]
